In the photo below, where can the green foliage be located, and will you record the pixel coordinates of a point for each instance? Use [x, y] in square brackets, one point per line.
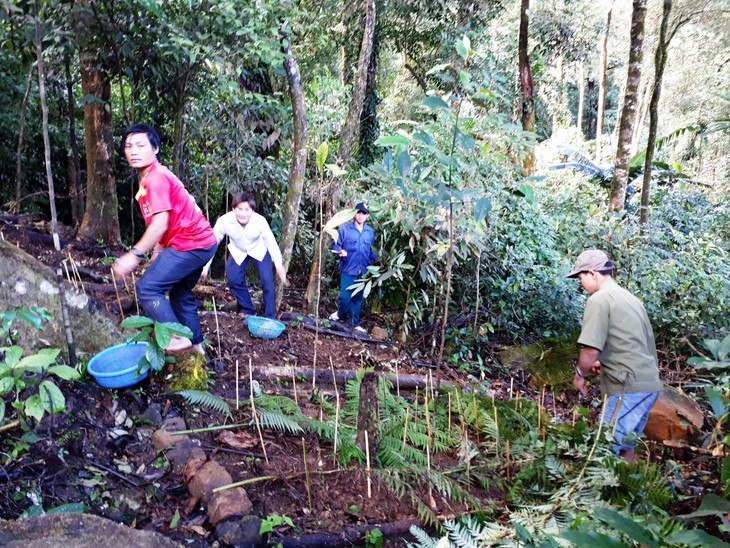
[29, 378]
[206, 399]
[157, 335]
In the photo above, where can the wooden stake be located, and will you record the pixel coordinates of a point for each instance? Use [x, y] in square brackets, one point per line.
[496, 428]
[294, 385]
[250, 388]
[428, 415]
[397, 381]
[217, 327]
[405, 429]
[337, 406]
[253, 410]
[476, 416]
[306, 474]
[134, 286]
[511, 385]
[116, 290]
[506, 451]
[367, 465]
[449, 414]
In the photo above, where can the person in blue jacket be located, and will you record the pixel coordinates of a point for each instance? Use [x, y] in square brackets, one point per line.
[354, 246]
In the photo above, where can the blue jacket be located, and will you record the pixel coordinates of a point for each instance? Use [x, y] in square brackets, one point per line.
[359, 247]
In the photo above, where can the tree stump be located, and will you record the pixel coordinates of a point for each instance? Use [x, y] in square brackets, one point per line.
[368, 416]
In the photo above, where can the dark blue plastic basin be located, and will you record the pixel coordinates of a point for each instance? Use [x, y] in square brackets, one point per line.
[115, 366]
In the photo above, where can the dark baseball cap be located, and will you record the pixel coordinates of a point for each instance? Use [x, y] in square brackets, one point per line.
[362, 207]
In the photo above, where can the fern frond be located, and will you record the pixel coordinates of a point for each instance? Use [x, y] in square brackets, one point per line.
[277, 421]
[206, 399]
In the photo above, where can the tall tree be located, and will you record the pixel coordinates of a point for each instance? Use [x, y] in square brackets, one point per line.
[628, 113]
[73, 160]
[526, 83]
[298, 156]
[602, 82]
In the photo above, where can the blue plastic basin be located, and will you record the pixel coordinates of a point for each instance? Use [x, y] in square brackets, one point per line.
[115, 366]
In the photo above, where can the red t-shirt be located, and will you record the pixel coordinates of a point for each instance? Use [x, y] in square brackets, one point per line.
[188, 228]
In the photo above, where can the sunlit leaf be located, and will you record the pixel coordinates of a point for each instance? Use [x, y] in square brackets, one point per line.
[391, 140]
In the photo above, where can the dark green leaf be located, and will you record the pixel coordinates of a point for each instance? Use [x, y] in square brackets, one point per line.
[434, 102]
[697, 537]
[71, 507]
[626, 525]
[482, 209]
[592, 539]
[711, 505]
[135, 322]
[404, 163]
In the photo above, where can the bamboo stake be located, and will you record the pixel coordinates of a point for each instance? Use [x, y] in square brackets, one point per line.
[506, 454]
[337, 407]
[428, 415]
[294, 385]
[134, 287]
[367, 465]
[496, 429]
[511, 385]
[306, 474]
[116, 290]
[476, 416]
[253, 410]
[250, 387]
[449, 414]
[405, 429]
[431, 501]
[217, 327]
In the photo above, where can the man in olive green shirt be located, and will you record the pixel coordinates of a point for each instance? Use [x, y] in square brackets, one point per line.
[618, 346]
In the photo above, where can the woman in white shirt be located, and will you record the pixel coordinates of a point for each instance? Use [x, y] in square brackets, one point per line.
[249, 239]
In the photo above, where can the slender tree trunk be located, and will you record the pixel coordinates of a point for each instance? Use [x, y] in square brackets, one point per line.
[19, 153]
[581, 98]
[642, 110]
[660, 63]
[51, 192]
[628, 113]
[298, 160]
[73, 160]
[352, 122]
[602, 83]
[101, 218]
[528, 88]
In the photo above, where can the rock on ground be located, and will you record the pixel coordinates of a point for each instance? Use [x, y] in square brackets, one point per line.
[76, 531]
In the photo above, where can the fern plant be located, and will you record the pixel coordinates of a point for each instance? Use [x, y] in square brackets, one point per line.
[205, 399]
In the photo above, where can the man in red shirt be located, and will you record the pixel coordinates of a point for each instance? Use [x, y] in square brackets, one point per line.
[178, 235]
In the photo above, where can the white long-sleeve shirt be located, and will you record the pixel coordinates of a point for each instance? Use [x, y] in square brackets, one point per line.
[254, 240]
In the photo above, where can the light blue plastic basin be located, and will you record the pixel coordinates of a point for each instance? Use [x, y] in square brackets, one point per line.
[115, 366]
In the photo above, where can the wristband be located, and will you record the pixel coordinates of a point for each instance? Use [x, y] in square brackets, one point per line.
[577, 372]
[137, 252]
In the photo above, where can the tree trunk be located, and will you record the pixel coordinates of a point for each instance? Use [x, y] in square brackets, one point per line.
[298, 161]
[642, 109]
[528, 88]
[581, 98]
[628, 113]
[73, 161]
[660, 62]
[19, 154]
[602, 83]
[352, 122]
[51, 192]
[369, 126]
[101, 219]
[368, 413]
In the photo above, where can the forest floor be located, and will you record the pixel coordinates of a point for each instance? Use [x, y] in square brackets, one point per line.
[80, 457]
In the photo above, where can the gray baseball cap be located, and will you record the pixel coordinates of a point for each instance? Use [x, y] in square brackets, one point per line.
[592, 259]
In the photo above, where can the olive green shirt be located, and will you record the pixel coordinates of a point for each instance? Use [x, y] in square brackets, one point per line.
[615, 322]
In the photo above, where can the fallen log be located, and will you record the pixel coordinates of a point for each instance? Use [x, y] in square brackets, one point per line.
[324, 377]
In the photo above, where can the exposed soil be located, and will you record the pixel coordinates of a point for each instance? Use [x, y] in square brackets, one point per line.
[95, 455]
